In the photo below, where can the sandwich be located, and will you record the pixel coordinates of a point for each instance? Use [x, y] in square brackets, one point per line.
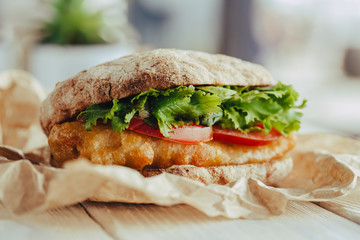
[211, 118]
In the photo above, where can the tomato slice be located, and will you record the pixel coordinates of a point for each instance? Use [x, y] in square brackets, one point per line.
[184, 134]
[249, 139]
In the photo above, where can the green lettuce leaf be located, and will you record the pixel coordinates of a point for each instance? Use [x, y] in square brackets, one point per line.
[167, 109]
[98, 111]
[231, 107]
[178, 106]
[272, 106]
[222, 92]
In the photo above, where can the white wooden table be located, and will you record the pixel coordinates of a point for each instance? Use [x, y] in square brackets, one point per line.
[89, 220]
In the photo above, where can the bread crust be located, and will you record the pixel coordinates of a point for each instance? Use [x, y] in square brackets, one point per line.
[270, 172]
[133, 74]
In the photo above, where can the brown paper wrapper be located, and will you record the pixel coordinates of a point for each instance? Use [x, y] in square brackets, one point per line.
[20, 99]
[28, 184]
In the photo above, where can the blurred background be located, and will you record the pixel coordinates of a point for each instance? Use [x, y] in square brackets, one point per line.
[313, 45]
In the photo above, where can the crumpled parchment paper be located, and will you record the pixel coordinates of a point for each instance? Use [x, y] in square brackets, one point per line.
[20, 98]
[318, 175]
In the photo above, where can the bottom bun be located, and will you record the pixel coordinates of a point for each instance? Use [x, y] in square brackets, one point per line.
[269, 173]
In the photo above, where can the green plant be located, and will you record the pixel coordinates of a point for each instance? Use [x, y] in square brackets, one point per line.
[73, 24]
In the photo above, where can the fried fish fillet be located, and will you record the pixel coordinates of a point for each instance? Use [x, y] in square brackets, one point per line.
[102, 145]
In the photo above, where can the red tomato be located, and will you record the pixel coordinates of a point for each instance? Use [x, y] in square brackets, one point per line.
[184, 134]
[250, 139]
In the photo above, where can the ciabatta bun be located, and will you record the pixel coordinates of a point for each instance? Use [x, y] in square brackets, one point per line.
[269, 173]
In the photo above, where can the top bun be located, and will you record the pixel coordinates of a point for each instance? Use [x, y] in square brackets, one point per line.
[133, 74]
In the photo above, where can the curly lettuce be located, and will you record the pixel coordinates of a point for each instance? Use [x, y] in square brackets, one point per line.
[273, 106]
[231, 107]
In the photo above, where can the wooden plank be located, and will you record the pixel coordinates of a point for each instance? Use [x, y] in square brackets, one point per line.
[63, 223]
[302, 220]
[347, 206]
